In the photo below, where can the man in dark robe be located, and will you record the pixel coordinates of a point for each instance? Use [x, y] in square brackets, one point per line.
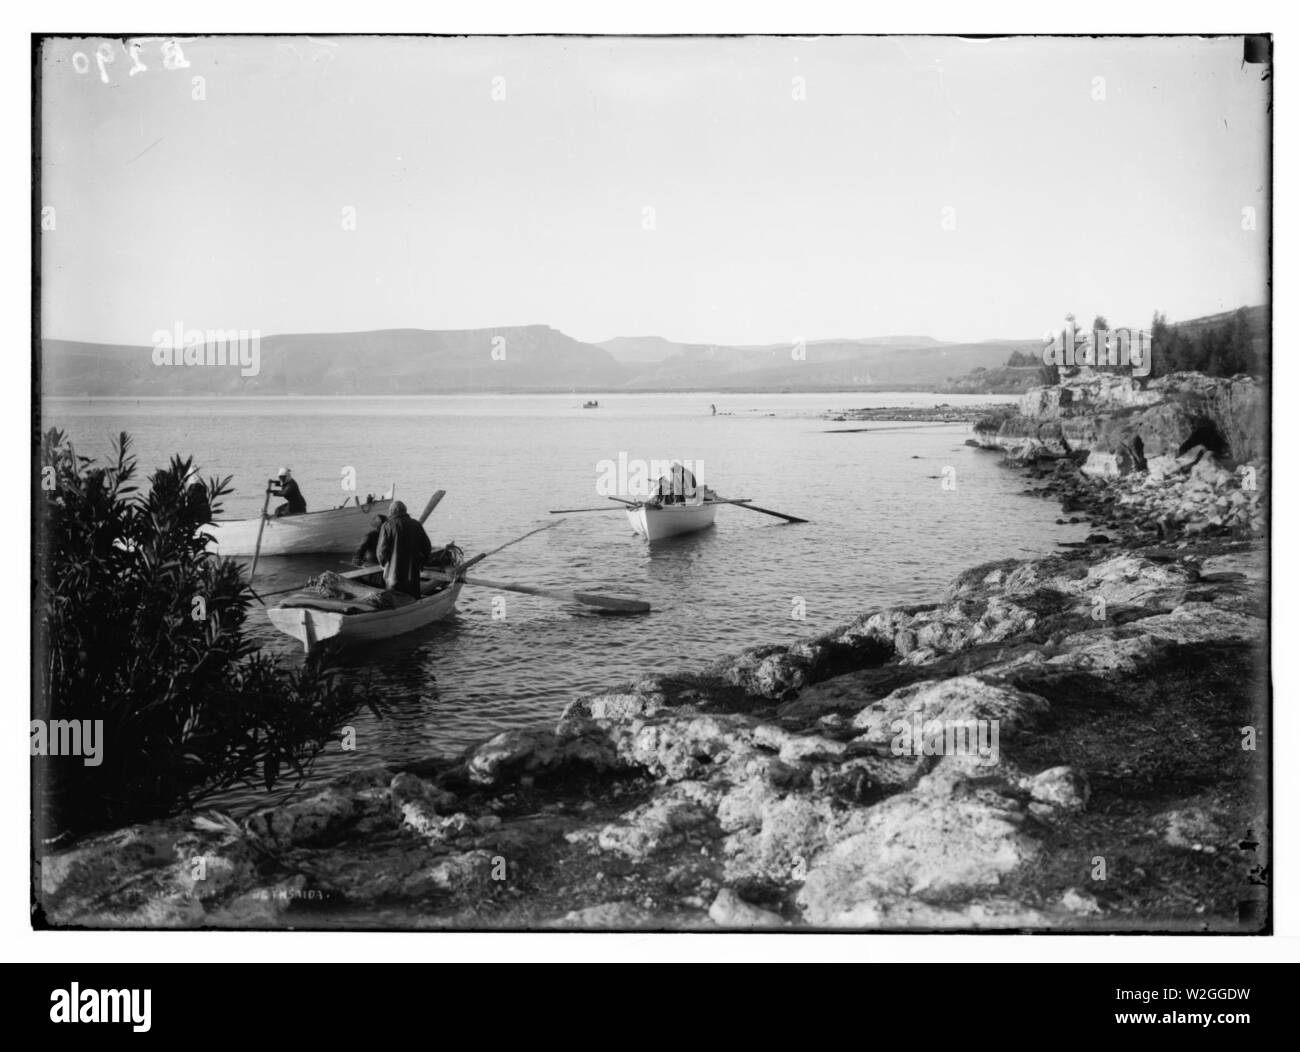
[402, 551]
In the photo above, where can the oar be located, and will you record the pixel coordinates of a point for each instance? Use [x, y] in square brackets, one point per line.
[574, 511]
[754, 507]
[483, 555]
[257, 550]
[433, 503]
[366, 571]
[604, 602]
[632, 503]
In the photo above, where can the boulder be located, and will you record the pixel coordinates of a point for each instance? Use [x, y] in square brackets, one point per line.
[913, 846]
[729, 910]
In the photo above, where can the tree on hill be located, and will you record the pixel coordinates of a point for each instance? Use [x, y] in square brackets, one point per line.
[1223, 349]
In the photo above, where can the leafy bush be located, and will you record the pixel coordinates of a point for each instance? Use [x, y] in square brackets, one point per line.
[141, 627]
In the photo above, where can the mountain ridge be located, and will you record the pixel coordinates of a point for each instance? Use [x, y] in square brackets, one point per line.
[524, 359]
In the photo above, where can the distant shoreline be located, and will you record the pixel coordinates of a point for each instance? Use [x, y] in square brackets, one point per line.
[502, 394]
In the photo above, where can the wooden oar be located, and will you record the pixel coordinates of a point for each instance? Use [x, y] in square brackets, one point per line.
[257, 549]
[433, 503]
[261, 525]
[604, 602]
[574, 511]
[483, 555]
[744, 503]
[366, 571]
[348, 575]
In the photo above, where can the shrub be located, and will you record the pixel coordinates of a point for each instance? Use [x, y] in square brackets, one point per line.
[143, 628]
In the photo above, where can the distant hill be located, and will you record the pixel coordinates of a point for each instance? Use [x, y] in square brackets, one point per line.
[879, 362]
[388, 361]
[641, 348]
[539, 358]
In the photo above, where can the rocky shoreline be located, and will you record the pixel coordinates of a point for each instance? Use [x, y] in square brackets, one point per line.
[937, 414]
[1115, 776]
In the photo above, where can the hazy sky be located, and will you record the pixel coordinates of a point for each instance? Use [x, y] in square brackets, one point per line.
[774, 217]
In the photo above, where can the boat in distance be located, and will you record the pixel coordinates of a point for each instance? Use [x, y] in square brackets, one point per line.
[655, 521]
[312, 533]
[351, 621]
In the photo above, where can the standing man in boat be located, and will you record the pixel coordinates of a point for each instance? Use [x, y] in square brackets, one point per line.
[403, 549]
[284, 485]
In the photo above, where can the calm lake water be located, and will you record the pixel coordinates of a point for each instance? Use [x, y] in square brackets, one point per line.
[883, 531]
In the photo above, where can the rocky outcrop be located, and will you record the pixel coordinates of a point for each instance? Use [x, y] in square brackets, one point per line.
[924, 767]
[1130, 419]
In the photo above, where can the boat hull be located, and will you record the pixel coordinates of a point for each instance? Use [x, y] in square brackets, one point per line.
[315, 533]
[671, 520]
[310, 626]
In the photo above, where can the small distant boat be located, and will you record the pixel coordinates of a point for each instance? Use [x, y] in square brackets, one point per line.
[657, 521]
[313, 533]
[352, 618]
[590, 405]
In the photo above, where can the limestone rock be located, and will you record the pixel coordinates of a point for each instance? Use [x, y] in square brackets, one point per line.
[1060, 787]
[909, 846]
[729, 910]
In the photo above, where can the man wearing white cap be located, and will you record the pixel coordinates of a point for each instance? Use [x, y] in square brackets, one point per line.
[284, 485]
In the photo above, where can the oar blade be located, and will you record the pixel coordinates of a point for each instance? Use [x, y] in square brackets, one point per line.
[613, 603]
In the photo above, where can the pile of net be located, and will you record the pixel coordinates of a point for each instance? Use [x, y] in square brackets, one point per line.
[446, 558]
[328, 585]
[332, 591]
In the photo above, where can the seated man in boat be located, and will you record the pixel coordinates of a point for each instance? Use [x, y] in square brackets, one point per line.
[367, 551]
[284, 485]
[403, 549]
[677, 487]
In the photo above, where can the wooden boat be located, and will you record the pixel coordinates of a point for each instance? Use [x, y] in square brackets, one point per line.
[656, 521]
[590, 405]
[311, 619]
[314, 533]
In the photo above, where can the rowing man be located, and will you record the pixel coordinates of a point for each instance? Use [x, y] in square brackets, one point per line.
[677, 487]
[284, 485]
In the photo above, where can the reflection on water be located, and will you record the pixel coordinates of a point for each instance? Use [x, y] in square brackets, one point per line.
[883, 531]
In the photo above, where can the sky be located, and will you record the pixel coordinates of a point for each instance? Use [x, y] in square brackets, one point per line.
[712, 190]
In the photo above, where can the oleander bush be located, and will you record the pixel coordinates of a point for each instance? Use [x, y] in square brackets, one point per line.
[139, 626]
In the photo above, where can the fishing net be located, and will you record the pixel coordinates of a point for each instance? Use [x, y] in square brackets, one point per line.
[448, 557]
[328, 585]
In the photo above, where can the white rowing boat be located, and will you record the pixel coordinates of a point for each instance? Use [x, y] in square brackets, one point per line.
[313, 533]
[311, 620]
[657, 521]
